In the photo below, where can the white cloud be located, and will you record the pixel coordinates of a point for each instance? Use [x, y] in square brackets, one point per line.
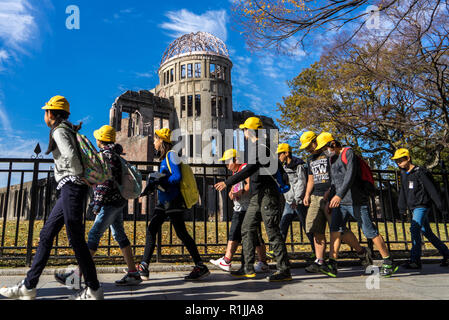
[84, 120]
[17, 27]
[4, 119]
[143, 74]
[184, 21]
[16, 22]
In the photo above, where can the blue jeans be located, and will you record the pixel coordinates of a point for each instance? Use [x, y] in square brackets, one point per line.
[420, 223]
[108, 216]
[340, 217]
[287, 218]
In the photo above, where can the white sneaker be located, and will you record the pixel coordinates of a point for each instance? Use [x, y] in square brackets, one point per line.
[88, 294]
[19, 291]
[261, 267]
[221, 264]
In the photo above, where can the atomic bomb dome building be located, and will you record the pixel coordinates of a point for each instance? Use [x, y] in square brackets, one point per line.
[194, 94]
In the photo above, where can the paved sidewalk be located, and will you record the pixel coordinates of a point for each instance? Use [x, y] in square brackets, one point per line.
[432, 282]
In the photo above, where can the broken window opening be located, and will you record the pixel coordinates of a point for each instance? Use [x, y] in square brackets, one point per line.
[220, 107]
[191, 145]
[189, 106]
[172, 75]
[219, 76]
[183, 107]
[213, 106]
[212, 70]
[189, 70]
[183, 71]
[197, 70]
[197, 105]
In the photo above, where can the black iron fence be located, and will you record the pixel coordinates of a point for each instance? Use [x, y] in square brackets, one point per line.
[27, 195]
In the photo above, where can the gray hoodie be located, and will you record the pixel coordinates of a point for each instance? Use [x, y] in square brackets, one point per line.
[66, 158]
[297, 178]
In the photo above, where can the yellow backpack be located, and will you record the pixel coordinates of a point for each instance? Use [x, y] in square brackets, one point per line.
[188, 186]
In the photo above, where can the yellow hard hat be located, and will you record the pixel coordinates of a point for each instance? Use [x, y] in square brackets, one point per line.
[57, 103]
[283, 147]
[323, 139]
[306, 139]
[400, 153]
[252, 123]
[164, 134]
[229, 154]
[105, 133]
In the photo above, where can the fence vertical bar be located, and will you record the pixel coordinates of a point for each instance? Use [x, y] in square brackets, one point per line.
[19, 209]
[33, 207]
[5, 208]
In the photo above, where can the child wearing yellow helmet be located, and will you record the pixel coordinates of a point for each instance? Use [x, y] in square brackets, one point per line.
[240, 195]
[67, 211]
[170, 204]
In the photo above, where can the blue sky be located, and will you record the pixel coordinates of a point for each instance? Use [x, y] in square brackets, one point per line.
[118, 47]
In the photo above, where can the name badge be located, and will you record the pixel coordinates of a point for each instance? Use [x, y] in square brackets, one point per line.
[410, 185]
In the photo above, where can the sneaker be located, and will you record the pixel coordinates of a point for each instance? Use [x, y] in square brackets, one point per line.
[366, 258]
[280, 276]
[70, 279]
[19, 291]
[198, 273]
[329, 268]
[221, 263]
[143, 271]
[88, 294]
[412, 265]
[270, 254]
[388, 269]
[261, 267]
[444, 262]
[313, 268]
[311, 258]
[130, 279]
[241, 273]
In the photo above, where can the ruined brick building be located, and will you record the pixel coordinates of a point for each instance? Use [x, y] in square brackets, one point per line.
[194, 94]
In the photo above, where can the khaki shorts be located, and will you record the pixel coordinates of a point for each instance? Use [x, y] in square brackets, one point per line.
[317, 217]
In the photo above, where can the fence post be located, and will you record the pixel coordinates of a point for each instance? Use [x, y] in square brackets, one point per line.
[33, 207]
[445, 182]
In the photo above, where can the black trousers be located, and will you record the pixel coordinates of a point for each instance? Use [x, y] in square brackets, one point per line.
[174, 210]
[69, 211]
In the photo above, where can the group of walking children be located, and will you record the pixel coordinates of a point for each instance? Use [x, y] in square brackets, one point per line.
[333, 185]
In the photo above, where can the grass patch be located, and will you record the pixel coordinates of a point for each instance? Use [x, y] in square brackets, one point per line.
[212, 233]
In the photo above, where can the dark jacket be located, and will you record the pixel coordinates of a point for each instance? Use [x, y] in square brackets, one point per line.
[346, 180]
[418, 190]
[108, 193]
[260, 178]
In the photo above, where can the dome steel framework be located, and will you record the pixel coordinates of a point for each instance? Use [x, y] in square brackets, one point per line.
[195, 42]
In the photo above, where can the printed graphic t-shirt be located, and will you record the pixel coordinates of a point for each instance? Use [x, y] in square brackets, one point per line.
[241, 204]
[318, 165]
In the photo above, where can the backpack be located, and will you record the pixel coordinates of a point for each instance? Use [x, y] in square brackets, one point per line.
[366, 173]
[188, 186]
[96, 169]
[131, 180]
